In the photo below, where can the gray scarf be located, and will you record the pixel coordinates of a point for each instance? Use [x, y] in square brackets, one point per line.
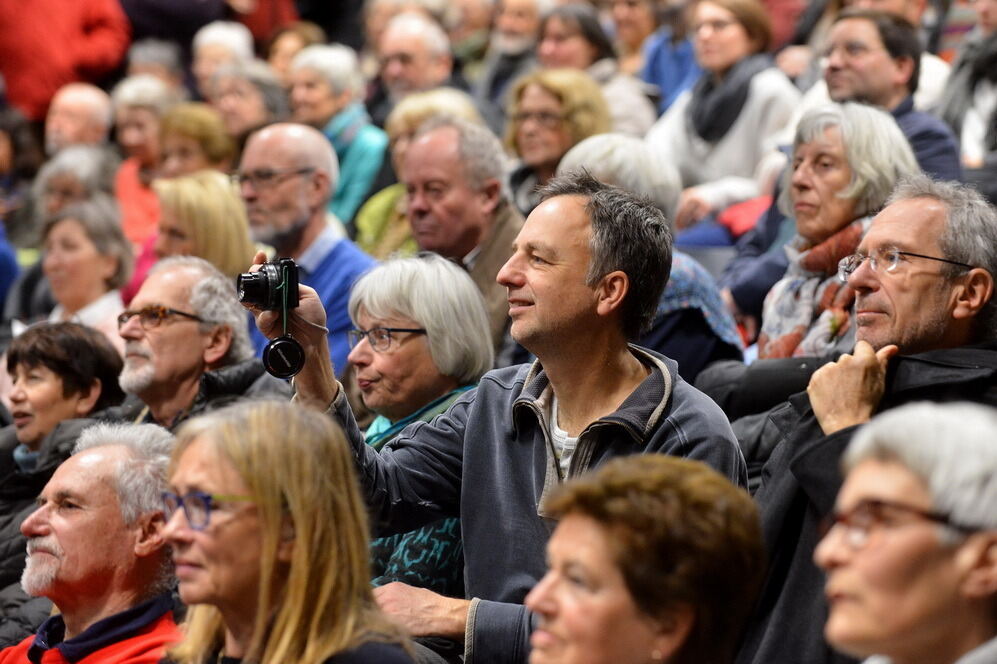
[715, 105]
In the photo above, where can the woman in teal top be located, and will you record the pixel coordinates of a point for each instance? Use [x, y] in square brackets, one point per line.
[411, 362]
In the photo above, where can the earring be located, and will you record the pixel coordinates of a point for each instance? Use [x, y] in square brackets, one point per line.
[657, 655]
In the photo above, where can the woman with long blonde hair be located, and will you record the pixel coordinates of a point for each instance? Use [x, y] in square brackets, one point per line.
[269, 537]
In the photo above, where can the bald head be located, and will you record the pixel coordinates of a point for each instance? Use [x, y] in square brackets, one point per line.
[289, 173]
[80, 114]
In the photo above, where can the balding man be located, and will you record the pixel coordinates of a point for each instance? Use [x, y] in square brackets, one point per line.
[287, 176]
[80, 114]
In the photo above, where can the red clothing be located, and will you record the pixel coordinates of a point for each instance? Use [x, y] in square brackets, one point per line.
[139, 203]
[145, 632]
[45, 44]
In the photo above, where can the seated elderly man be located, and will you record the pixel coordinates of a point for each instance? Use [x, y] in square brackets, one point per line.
[911, 575]
[80, 114]
[96, 550]
[923, 277]
[187, 345]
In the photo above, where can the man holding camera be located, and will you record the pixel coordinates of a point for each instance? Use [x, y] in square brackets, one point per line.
[287, 175]
[186, 346]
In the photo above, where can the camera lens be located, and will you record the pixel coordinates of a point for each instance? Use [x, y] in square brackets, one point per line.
[255, 287]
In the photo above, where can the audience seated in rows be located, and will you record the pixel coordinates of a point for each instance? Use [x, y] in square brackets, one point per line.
[458, 207]
[654, 559]
[410, 363]
[187, 347]
[96, 549]
[923, 278]
[586, 275]
[911, 575]
[287, 177]
[550, 110]
[269, 536]
[571, 37]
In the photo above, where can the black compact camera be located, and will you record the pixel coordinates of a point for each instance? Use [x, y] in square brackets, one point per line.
[273, 288]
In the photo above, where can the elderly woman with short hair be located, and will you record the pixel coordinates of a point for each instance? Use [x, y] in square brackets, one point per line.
[140, 102]
[410, 363]
[248, 95]
[327, 93]
[550, 111]
[909, 550]
[846, 160]
[87, 259]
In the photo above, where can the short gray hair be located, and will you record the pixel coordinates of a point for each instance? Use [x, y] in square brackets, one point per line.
[258, 74]
[948, 446]
[628, 163]
[101, 221]
[425, 29]
[159, 52]
[970, 234]
[214, 299]
[479, 150]
[145, 91]
[439, 296]
[878, 153]
[234, 36]
[336, 63]
[94, 168]
[141, 480]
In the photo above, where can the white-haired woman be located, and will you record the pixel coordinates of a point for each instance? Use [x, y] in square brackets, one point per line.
[846, 160]
[909, 548]
[422, 340]
[327, 93]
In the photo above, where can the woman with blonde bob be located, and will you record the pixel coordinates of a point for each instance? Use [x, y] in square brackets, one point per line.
[269, 537]
[202, 215]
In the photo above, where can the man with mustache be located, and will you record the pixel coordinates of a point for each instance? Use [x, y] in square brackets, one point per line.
[187, 346]
[95, 549]
[926, 321]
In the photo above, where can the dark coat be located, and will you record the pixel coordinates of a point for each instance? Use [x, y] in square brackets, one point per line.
[799, 486]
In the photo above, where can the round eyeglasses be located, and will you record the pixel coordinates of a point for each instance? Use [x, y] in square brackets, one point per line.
[379, 338]
[886, 259]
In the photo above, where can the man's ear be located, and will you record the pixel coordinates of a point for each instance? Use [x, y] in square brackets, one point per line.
[150, 534]
[491, 194]
[87, 400]
[612, 290]
[904, 71]
[978, 556]
[319, 189]
[973, 293]
[673, 629]
[218, 342]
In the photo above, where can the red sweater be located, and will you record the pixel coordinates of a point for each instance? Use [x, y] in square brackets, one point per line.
[45, 44]
[137, 636]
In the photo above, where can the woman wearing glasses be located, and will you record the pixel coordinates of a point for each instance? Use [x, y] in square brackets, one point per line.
[910, 551]
[847, 158]
[410, 362]
[269, 538]
[550, 111]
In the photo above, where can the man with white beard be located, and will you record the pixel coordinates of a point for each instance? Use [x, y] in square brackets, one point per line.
[187, 346]
[96, 550]
[511, 54]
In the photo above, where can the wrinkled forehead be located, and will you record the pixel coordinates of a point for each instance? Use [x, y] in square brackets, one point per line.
[914, 224]
[89, 473]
